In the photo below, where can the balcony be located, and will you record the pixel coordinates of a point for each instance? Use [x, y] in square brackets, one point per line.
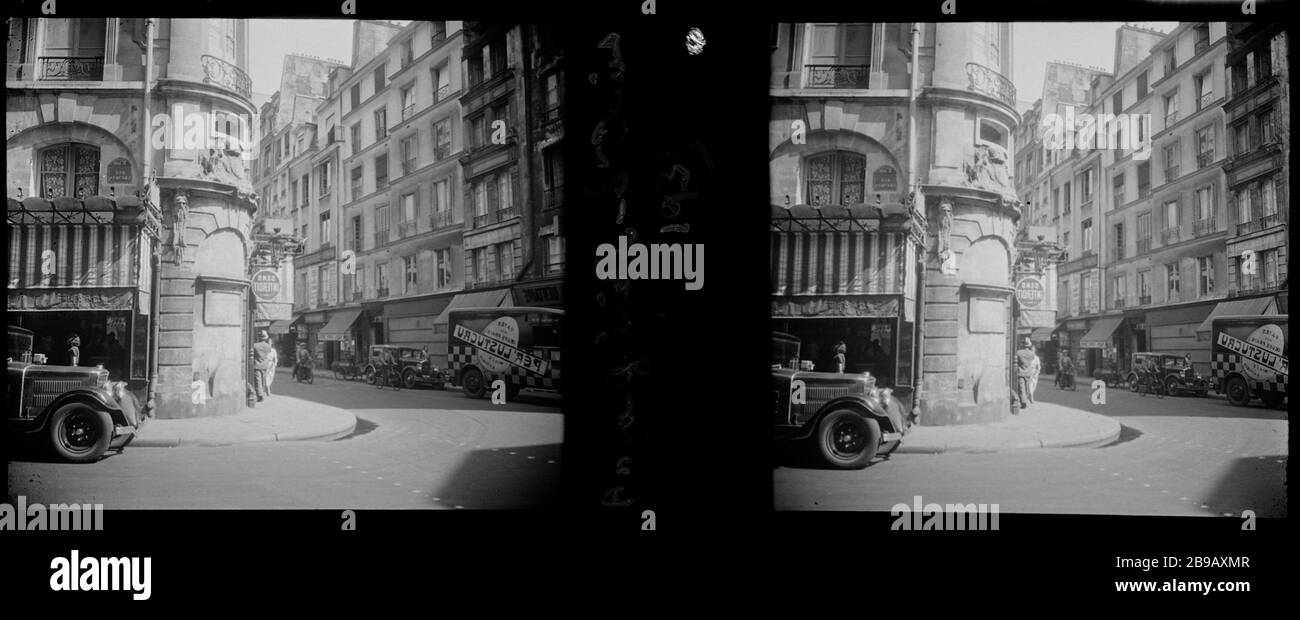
[1118, 303]
[1201, 46]
[989, 82]
[441, 93]
[405, 229]
[219, 72]
[408, 166]
[381, 238]
[1171, 118]
[1247, 227]
[438, 38]
[1204, 100]
[408, 111]
[72, 68]
[1144, 246]
[442, 151]
[440, 219]
[1169, 236]
[1116, 254]
[1272, 219]
[1144, 190]
[483, 220]
[1202, 227]
[550, 116]
[381, 292]
[507, 213]
[837, 76]
[1204, 159]
[1144, 299]
[1171, 173]
[553, 197]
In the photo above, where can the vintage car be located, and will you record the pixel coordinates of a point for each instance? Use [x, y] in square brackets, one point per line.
[1175, 371]
[845, 416]
[75, 410]
[417, 368]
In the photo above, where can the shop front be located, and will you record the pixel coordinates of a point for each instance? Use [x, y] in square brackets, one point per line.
[84, 268]
[339, 337]
[1099, 343]
[869, 327]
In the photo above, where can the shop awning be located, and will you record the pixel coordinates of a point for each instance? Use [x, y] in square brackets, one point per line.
[340, 325]
[1099, 336]
[278, 327]
[1041, 334]
[477, 299]
[1257, 305]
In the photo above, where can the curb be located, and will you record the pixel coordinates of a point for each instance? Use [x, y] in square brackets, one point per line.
[1109, 433]
[321, 434]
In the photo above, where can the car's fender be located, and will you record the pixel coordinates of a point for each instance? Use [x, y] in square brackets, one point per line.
[93, 398]
[864, 406]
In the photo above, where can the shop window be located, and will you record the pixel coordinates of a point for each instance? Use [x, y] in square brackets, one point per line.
[69, 170]
[836, 178]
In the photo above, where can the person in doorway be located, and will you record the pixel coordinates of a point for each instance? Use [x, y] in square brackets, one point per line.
[74, 350]
[262, 351]
[1025, 359]
[274, 362]
[302, 358]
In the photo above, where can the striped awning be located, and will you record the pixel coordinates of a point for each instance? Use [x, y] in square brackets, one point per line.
[75, 256]
[839, 263]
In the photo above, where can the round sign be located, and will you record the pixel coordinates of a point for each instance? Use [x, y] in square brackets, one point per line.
[266, 285]
[1030, 292]
[1269, 338]
[504, 329]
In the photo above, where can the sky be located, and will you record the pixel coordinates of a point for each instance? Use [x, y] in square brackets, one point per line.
[1091, 44]
[271, 39]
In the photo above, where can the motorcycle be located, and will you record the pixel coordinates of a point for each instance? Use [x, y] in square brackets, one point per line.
[1065, 380]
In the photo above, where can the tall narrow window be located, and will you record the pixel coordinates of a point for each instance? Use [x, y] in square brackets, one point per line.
[836, 178]
[839, 56]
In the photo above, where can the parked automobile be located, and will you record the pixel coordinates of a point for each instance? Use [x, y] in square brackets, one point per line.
[1249, 358]
[843, 415]
[74, 410]
[1176, 373]
[416, 367]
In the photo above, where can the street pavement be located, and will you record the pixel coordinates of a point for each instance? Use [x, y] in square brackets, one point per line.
[1177, 455]
[410, 448]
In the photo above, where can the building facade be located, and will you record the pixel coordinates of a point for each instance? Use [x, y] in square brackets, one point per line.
[97, 103]
[894, 218]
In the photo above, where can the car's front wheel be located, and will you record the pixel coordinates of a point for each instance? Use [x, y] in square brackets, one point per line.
[370, 375]
[1132, 382]
[80, 433]
[1172, 386]
[409, 379]
[847, 439]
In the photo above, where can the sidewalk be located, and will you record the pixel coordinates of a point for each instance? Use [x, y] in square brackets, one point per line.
[278, 418]
[1042, 425]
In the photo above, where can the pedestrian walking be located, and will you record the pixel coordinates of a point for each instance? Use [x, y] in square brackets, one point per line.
[1024, 370]
[1035, 370]
[262, 352]
[274, 363]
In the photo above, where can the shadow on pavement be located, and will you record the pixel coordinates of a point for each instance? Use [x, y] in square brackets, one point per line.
[33, 449]
[357, 395]
[1120, 402]
[804, 455]
[1126, 434]
[1245, 481]
[522, 477]
[363, 426]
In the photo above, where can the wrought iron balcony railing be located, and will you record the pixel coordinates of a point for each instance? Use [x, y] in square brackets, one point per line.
[483, 220]
[405, 229]
[222, 73]
[989, 82]
[1171, 173]
[408, 111]
[837, 76]
[1118, 303]
[408, 166]
[1204, 159]
[381, 292]
[1144, 246]
[440, 219]
[441, 93]
[1171, 118]
[1247, 227]
[1169, 235]
[553, 197]
[72, 68]
[1272, 219]
[547, 116]
[507, 213]
[381, 238]
[1204, 101]
[442, 151]
[1202, 227]
[1144, 299]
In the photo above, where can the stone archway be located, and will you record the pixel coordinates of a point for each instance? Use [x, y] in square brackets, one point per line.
[220, 320]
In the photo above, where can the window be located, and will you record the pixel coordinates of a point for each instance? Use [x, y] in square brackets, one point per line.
[504, 194]
[554, 254]
[441, 83]
[326, 235]
[380, 80]
[381, 171]
[1204, 204]
[1144, 286]
[294, 193]
[323, 173]
[992, 133]
[439, 33]
[356, 233]
[1171, 215]
[1171, 61]
[411, 268]
[839, 55]
[505, 259]
[1270, 267]
[1143, 233]
[1118, 236]
[1141, 85]
[1065, 240]
[381, 279]
[356, 182]
[355, 131]
[355, 95]
[480, 194]
[1242, 198]
[1268, 126]
[1065, 195]
[408, 53]
[66, 38]
[553, 177]
[1268, 202]
[408, 102]
[361, 280]
[478, 131]
[1203, 88]
[1117, 193]
[1064, 301]
[1201, 33]
[410, 147]
[836, 178]
[1117, 101]
[1173, 154]
[552, 91]
[306, 189]
[408, 208]
[1205, 146]
[381, 226]
[381, 123]
[1240, 139]
[993, 36]
[442, 272]
[479, 260]
[1205, 275]
[441, 204]
[1085, 187]
[1171, 108]
[442, 139]
[1088, 286]
[1144, 179]
[1087, 235]
[69, 170]
[1119, 286]
[1172, 284]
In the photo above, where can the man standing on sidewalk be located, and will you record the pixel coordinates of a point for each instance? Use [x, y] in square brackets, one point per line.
[1025, 360]
[262, 352]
